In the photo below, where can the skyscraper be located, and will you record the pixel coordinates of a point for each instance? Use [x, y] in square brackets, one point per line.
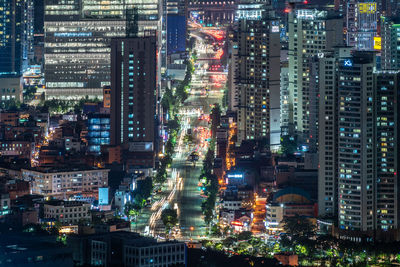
[358, 152]
[16, 36]
[356, 181]
[134, 92]
[390, 31]
[312, 32]
[78, 37]
[258, 78]
[387, 110]
[327, 127]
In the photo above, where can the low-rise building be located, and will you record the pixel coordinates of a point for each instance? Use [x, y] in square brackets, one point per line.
[61, 182]
[22, 149]
[126, 249]
[66, 212]
[288, 202]
[11, 89]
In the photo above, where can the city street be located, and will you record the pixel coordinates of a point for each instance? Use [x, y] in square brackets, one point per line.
[181, 189]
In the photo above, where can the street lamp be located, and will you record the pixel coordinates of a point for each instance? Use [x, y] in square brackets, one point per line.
[191, 230]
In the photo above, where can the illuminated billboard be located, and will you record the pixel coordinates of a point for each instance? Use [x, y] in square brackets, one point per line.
[369, 8]
[377, 43]
[103, 196]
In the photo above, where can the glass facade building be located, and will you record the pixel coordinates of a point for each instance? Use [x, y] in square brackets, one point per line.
[77, 42]
[16, 36]
[98, 131]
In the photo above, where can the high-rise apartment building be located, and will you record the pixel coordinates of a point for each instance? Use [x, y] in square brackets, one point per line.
[390, 31]
[358, 152]
[387, 110]
[258, 79]
[356, 179]
[312, 32]
[327, 130]
[284, 92]
[134, 92]
[16, 36]
[78, 36]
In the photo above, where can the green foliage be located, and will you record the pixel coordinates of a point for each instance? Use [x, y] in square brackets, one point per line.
[245, 235]
[211, 186]
[30, 92]
[288, 145]
[169, 218]
[11, 104]
[298, 227]
[144, 188]
[63, 106]
[188, 138]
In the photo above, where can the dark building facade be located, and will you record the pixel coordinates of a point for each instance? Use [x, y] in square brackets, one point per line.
[134, 92]
[16, 35]
[176, 34]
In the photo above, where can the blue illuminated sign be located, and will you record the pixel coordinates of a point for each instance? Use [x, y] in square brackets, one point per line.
[348, 63]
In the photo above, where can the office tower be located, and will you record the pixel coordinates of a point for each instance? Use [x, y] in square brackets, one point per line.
[16, 36]
[313, 31]
[356, 181]
[390, 31]
[361, 24]
[78, 37]
[134, 92]
[176, 34]
[176, 7]
[38, 32]
[327, 130]
[258, 79]
[387, 110]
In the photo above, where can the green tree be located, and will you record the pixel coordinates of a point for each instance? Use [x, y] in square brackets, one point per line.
[169, 218]
[288, 145]
[245, 235]
[144, 188]
[301, 232]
